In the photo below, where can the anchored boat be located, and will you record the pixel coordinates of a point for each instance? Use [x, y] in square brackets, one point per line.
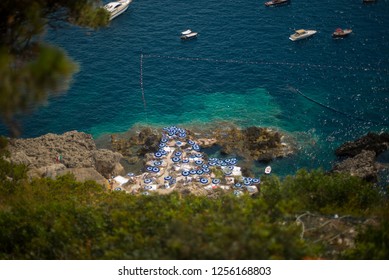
[117, 8]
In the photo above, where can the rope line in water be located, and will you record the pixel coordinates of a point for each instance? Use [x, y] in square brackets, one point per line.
[335, 110]
[141, 84]
[264, 62]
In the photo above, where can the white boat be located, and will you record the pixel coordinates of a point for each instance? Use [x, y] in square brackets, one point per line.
[302, 34]
[276, 3]
[339, 33]
[117, 8]
[189, 36]
[186, 32]
[268, 170]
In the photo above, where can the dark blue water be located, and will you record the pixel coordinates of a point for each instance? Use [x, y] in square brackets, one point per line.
[242, 68]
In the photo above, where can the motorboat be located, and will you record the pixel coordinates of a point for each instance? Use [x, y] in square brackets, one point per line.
[339, 33]
[276, 3]
[302, 34]
[117, 8]
[186, 32]
[268, 170]
[188, 35]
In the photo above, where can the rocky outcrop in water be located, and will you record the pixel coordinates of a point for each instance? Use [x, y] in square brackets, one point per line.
[370, 142]
[255, 143]
[361, 156]
[51, 155]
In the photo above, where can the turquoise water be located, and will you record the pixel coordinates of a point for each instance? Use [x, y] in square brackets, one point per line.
[242, 68]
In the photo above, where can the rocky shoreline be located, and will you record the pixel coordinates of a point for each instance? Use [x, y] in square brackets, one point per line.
[75, 152]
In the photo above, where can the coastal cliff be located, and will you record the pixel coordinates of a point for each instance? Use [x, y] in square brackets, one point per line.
[73, 152]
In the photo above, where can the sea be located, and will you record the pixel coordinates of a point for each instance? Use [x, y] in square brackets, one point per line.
[242, 68]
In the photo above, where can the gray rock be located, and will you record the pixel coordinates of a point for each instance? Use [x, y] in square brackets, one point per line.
[106, 162]
[370, 142]
[48, 154]
[84, 174]
[362, 165]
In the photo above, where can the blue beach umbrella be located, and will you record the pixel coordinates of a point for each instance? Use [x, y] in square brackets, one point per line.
[177, 154]
[238, 185]
[185, 173]
[196, 147]
[199, 162]
[147, 181]
[246, 182]
[230, 168]
[193, 172]
[212, 163]
[206, 170]
[185, 160]
[118, 189]
[145, 193]
[190, 142]
[164, 140]
[182, 135]
[213, 159]
[168, 178]
[199, 172]
[199, 155]
[148, 187]
[215, 181]
[158, 154]
[175, 159]
[227, 160]
[256, 181]
[155, 169]
[162, 145]
[203, 180]
[157, 163]
[149, 168]
[205, 166]
[130, 174]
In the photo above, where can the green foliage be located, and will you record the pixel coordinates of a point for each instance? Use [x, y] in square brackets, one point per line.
[320, 192]
[372, 243]
[29, 68]
[11, 175]
[65, 219]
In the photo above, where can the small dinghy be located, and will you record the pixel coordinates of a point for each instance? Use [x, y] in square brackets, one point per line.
[268, 170]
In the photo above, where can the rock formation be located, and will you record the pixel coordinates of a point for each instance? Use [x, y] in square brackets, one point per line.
[252, 143]
[51, 155]
[362, 165]
[370, 142]
[361, 156]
